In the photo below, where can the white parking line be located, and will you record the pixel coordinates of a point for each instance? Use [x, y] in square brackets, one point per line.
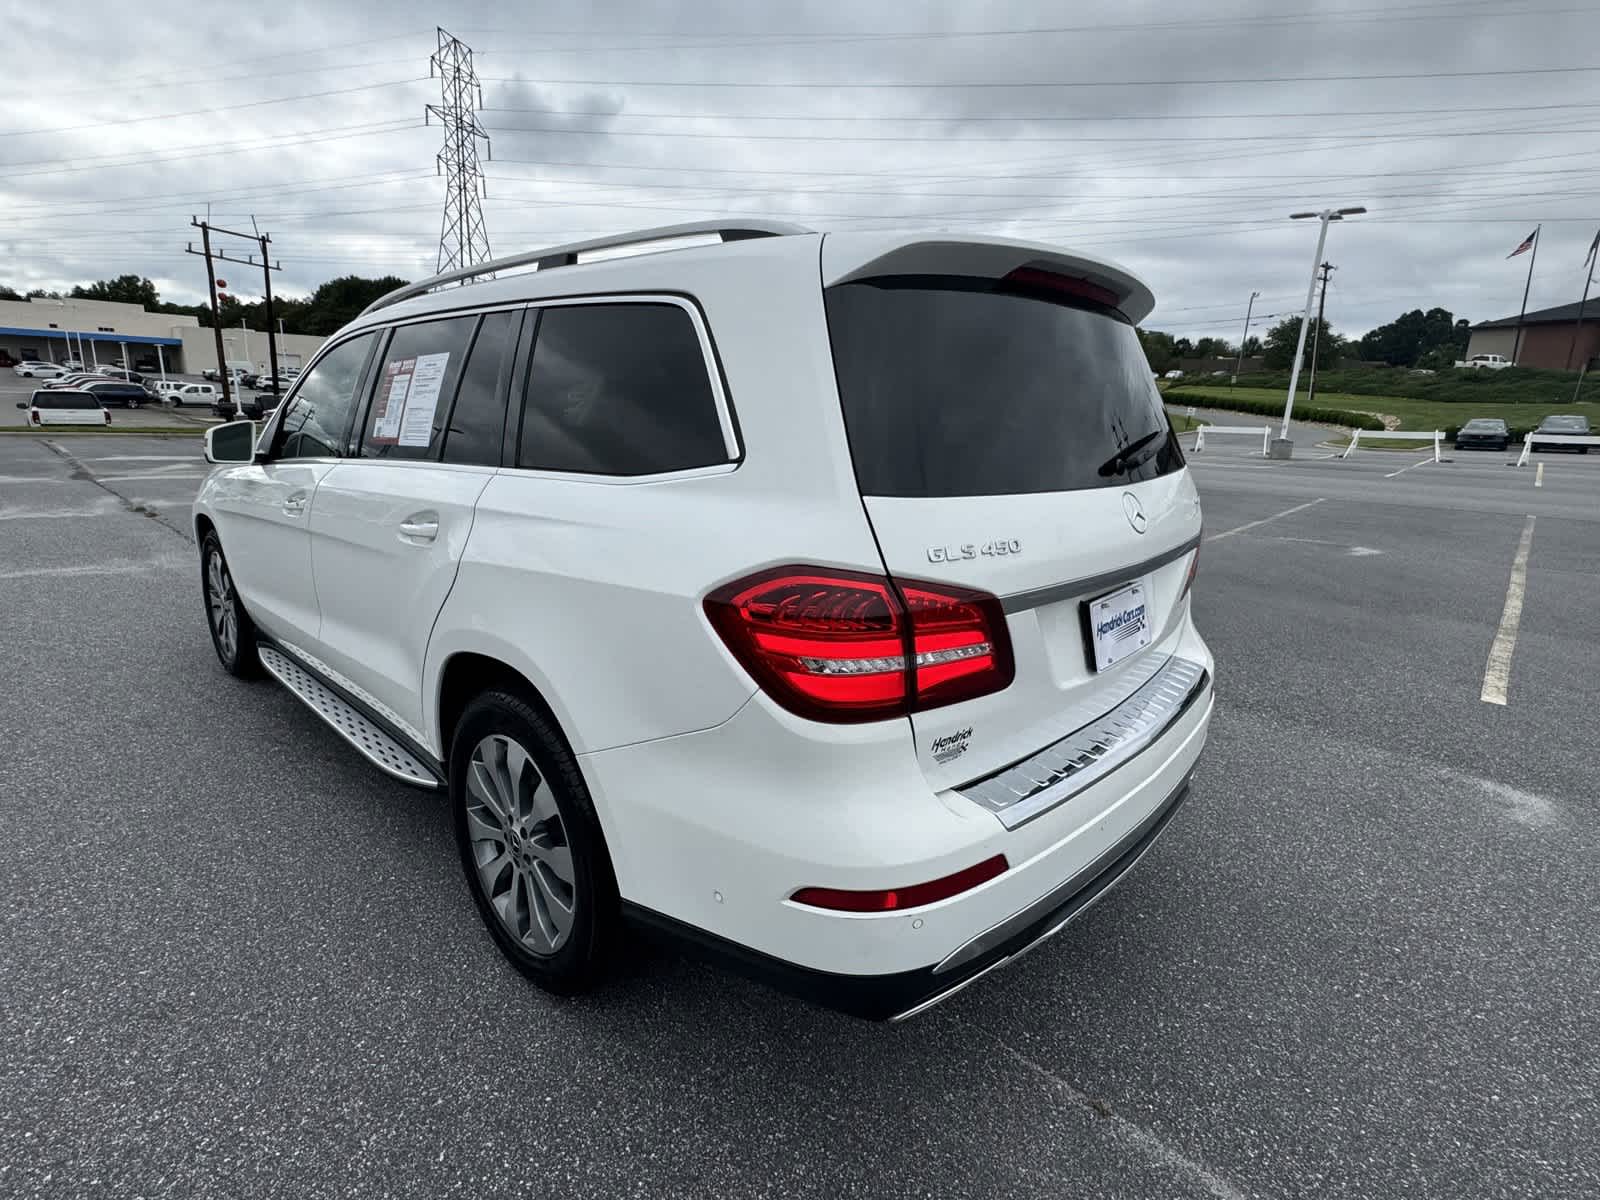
[1497, 672]
[1217, 537]
[1538, 476]
[1412, 467]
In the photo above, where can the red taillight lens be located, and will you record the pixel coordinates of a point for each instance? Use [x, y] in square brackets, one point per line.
[845, 646]
[895, 899]
[34, 418]
[107, 414]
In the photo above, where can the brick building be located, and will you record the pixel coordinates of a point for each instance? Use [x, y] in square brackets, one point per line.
[1551, 337]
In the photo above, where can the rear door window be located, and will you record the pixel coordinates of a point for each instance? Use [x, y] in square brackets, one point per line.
[973, 388]
[478, 420]
[619, 389]
[413, 388]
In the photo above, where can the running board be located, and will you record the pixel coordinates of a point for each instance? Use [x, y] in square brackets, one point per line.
[376, 744]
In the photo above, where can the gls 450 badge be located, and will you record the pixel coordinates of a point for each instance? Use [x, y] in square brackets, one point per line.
[996, 548]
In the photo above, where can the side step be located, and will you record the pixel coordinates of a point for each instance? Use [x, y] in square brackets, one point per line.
[376, 744]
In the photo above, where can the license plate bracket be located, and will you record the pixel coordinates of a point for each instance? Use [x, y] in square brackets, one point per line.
[1117, 624]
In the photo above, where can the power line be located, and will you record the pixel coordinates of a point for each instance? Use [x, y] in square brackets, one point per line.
[272, 142]
[841, 84]
[1039, 118]
[1119, 139]
[215, 108]
[1383, 15]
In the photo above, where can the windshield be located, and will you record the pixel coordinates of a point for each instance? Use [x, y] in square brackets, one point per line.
[963, 387]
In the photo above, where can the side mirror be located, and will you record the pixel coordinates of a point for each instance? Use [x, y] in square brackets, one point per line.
[22, 404]
[234, 442]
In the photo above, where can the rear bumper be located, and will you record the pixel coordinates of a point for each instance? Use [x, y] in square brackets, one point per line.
[712, 833]
[906, 993]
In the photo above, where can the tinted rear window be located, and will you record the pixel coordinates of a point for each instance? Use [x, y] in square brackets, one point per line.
[619, 389]
[64, 399]
[966, 388]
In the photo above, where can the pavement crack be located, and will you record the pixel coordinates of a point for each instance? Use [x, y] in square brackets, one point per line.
[1132, 1136]
[80, 472]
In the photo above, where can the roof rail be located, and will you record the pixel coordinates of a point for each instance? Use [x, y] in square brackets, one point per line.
[567, 255]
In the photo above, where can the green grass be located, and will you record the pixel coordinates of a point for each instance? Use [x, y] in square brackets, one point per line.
[1414, 414]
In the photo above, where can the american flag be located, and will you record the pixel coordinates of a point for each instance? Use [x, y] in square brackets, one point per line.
[1527, 244]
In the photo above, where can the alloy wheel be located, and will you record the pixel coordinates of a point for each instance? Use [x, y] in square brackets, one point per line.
[222, 605]
[519, 845]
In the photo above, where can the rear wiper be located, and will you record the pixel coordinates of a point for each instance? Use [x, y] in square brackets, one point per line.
[1129, 455]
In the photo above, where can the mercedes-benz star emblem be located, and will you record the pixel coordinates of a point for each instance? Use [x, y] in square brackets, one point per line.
[1135, 511]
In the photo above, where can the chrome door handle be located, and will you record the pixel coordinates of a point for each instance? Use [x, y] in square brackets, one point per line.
[419, 529]
[295, 503]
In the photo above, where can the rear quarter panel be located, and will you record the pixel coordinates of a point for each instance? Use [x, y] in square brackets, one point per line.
[593, 588]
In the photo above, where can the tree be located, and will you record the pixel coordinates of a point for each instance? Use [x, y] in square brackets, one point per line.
[1213, 347]
[41, 294]
[9, 293]
[1252, 346]
[340, 300]
[1183, 348]
[1413, 336]
[1281, 339]
[124, 289]
[1158, 349]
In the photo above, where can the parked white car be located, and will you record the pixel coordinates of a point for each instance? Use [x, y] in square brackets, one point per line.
[821, 602]
[1485, 362]
[56, 406]
[31, 369]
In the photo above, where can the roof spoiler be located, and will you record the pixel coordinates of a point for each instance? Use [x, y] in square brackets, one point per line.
[852, 256]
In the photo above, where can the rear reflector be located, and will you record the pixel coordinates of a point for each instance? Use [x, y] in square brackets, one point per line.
[895, 899]
[843, 646]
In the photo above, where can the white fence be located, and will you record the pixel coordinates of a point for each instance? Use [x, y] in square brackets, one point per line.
[1263, 431]
[1436, 437]
[1553, 439]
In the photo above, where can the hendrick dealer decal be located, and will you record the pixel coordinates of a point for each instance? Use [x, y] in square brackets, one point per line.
[952, 745]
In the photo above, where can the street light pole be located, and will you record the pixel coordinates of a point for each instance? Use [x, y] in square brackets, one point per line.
[1325, 216]
[1238, 362]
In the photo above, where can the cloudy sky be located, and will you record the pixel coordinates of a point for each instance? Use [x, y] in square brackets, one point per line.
[1174, 138]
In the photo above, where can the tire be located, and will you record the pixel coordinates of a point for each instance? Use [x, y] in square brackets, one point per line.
[234, 640]
[531, 846]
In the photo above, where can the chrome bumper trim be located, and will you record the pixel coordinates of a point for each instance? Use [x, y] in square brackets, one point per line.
[1019, 793]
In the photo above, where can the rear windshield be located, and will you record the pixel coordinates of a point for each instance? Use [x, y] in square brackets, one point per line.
[970, 388]
[64, 399]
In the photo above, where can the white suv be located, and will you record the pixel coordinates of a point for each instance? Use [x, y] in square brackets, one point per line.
[819, 601]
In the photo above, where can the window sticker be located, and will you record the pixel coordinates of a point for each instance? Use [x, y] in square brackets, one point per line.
[426, 381]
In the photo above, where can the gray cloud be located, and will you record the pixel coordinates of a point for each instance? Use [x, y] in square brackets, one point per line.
[618, 115]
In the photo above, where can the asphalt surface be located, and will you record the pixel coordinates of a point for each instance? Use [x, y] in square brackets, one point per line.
[236, 961]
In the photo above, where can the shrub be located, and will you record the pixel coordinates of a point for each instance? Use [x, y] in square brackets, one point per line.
[1274, 408]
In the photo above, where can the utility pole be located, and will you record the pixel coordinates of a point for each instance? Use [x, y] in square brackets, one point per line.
[463, 238]
[1316, 334]
[267, 268]
[216, 311]
[1238, 363]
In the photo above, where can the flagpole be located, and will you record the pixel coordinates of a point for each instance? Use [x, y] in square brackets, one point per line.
[1588, 278]
[1516, 346]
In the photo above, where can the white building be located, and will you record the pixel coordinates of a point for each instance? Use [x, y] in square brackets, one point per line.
[102, 331]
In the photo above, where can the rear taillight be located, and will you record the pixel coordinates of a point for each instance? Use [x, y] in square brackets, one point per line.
[895, 899]
[106, 413]
[33, 417]
[844, 646]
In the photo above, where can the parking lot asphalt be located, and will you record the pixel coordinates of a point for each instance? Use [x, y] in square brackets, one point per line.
[236, 961]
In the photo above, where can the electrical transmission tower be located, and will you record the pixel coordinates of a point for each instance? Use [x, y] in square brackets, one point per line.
[463, 239]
